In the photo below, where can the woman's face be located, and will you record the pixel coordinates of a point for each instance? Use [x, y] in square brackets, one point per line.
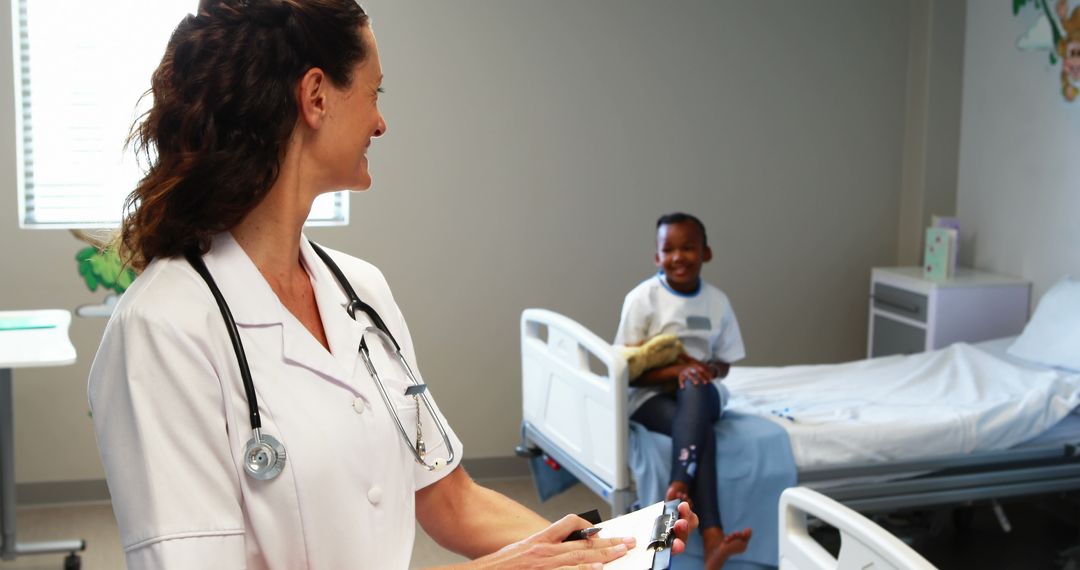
[354, 119]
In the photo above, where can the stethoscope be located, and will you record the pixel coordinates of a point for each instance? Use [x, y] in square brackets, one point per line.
[264, 455]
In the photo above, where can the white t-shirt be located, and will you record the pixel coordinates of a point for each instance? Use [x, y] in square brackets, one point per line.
[172, 420]
[704, 321]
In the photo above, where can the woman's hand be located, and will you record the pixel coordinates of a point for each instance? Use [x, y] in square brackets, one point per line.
[546, 550]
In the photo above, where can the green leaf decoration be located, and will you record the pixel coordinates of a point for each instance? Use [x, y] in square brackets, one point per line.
[104, 268]
[1017, 4]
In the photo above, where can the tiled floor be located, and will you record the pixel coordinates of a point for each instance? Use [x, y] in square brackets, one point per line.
[1040, 531]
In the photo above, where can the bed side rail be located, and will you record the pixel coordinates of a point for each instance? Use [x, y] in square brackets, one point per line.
[574, 393]
[863, 544]
[982, 459]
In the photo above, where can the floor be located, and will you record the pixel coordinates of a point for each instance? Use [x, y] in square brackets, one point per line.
[1040, 531]
[95, 524]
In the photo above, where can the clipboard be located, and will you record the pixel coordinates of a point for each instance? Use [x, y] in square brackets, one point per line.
[654, 529]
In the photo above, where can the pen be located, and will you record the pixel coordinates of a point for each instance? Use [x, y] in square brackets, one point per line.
[582, 534]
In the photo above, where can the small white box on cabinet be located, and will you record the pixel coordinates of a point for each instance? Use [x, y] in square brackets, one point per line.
[910, 314]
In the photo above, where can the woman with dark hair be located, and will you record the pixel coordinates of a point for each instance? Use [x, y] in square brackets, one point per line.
[239, 339]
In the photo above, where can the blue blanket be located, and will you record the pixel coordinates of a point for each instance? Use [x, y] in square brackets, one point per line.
[754, 465]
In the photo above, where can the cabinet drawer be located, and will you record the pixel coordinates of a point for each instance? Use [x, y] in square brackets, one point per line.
[894, 337]
[900, 302]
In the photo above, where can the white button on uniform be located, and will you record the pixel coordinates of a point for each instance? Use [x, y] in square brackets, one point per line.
[358, 405]
[374, 495]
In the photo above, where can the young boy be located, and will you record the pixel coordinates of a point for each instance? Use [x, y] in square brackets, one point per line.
[681, 399]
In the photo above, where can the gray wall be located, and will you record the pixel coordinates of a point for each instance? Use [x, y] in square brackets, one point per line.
[932, 128]
[531, 147]
[1019, 180]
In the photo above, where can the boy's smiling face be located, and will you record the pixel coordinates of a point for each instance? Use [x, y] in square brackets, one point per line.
[680, 251]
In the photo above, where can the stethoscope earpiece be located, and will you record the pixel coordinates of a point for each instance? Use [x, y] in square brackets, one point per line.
[439, 463]
[264, 457]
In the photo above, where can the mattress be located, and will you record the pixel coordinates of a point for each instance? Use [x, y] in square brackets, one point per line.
[957, 400]
[1065, 431]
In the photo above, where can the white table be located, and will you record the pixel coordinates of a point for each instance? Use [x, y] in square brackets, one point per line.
[27, 339]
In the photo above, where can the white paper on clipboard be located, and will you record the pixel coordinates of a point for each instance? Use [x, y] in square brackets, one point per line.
[640, 525]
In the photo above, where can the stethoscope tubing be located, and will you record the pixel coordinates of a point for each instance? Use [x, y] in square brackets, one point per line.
[197, 262]
[274, 450]
[366, 357]
[354, 299]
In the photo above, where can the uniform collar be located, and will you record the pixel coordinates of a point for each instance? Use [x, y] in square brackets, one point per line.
[342, 332]
[253, 303]
[250, 298]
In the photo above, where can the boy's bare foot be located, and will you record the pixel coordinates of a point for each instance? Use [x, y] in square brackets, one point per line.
[719, 547]
[678, 490]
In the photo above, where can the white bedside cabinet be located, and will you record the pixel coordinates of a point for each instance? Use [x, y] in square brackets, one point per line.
[910, 314]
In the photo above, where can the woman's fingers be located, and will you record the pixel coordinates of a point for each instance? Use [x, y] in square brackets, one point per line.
[546, 550]
[560, 529]
[601, 550]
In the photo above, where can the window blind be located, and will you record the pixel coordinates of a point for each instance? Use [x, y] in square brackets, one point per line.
[82, 68]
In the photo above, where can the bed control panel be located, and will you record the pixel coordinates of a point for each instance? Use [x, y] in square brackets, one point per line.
[909, 314]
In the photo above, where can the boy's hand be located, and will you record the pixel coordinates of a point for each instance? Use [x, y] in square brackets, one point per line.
[695, 373]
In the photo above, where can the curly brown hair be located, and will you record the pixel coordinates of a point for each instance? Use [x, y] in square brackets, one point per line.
[223, 111]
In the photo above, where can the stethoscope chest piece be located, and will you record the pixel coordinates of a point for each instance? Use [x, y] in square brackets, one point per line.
[264, 457]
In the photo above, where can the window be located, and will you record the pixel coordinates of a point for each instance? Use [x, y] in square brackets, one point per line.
[82, 67]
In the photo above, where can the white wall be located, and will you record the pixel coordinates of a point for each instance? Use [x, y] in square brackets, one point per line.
[531, 147]
[1019, 180]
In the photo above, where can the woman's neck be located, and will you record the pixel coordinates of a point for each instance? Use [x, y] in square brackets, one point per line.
[270, 234]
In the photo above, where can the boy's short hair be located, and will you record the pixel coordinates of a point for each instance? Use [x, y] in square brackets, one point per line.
[678, 218]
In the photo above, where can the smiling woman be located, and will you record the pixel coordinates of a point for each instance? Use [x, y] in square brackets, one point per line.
[259, 107]
[224, 112]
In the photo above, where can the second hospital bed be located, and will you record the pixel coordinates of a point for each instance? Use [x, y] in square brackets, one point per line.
[961, 424]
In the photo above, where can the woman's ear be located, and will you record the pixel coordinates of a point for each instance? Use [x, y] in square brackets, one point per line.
[708, 255]
[311, 92]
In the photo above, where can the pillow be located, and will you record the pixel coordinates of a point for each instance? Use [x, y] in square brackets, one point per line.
[1052, 336]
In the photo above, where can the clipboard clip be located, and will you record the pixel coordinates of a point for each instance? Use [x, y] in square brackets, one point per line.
[663, 535]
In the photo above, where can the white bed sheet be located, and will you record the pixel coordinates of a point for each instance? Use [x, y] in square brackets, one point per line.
[956, 400]
[1065, 431]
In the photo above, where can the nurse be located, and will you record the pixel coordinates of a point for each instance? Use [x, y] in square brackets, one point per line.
[259, 106]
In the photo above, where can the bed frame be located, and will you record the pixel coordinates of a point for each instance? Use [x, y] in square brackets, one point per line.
[574, 410]
[863, 544]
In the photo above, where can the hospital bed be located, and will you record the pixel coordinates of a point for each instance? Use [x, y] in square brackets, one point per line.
[1019, 442]
[863, 544]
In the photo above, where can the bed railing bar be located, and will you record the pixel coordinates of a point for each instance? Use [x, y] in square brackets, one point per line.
[944, 482]
[990, 458]
[619, 499]
[960, 496]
